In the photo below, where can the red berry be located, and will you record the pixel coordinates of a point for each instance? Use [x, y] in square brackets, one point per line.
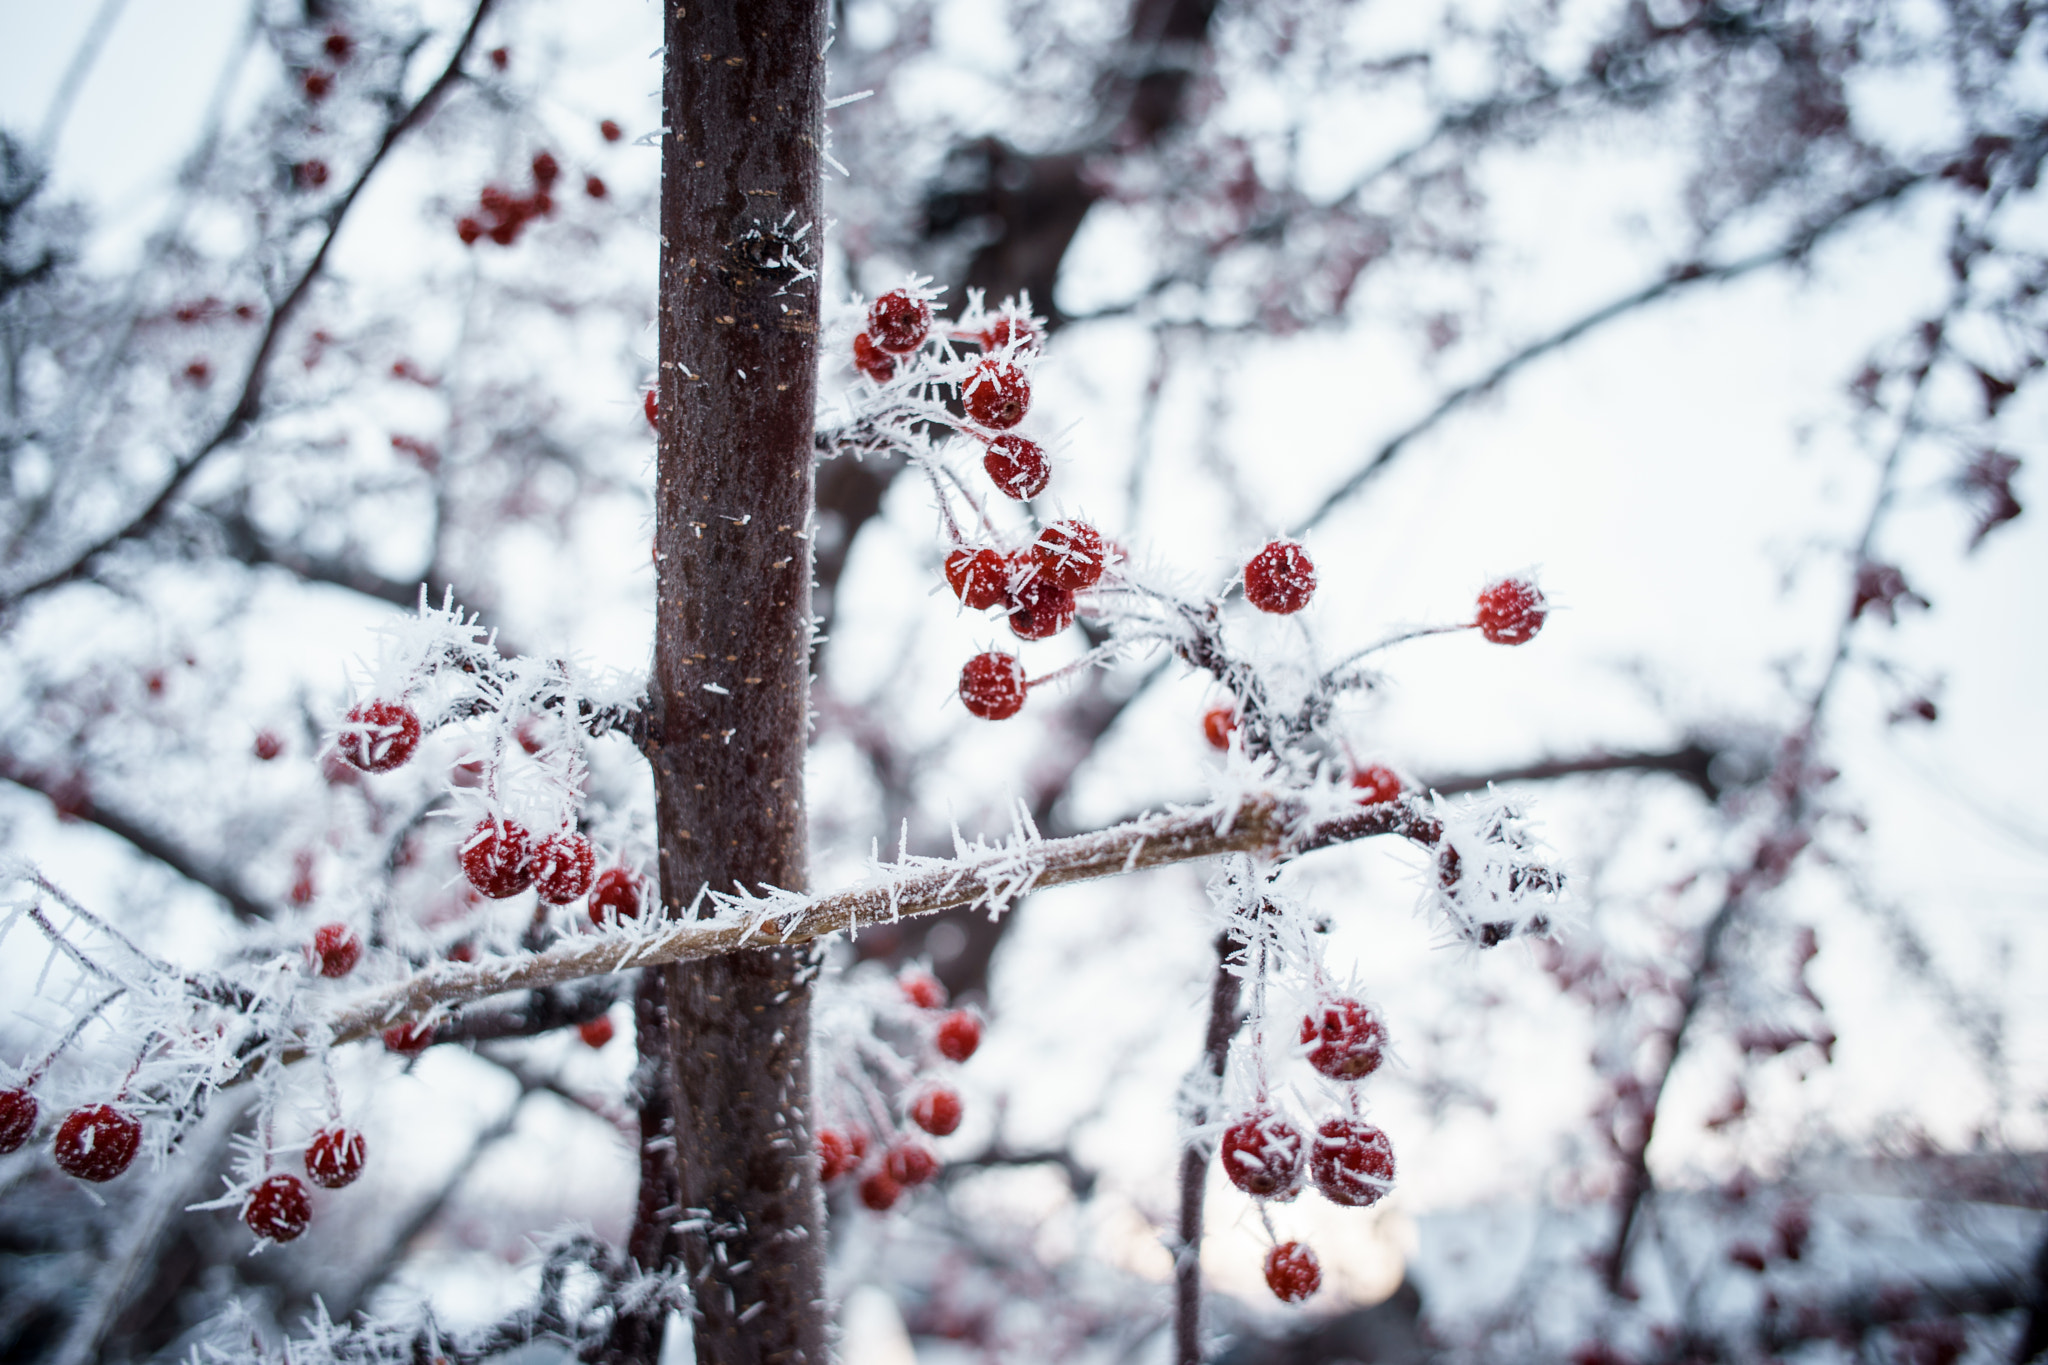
[97, 1142]
[839, 1153]
[924, 990]
[1006, 328]
[992, 685]
[871, 360]
[617, 892]
[1070, 554]
[337, 948]
[650, 403]
[498, 857]
[1376, 782]
[910, 1163]
[899, 321]
[1280, 578]
[310, 174]
[610, 131]
[1217, 724]
[501, 57]
[316, 85]
[979, 578]
[879, 1192]
[278, 1209]
[199, 374]
[562, 867]
[335, 1156]
[1040, 608]
[468, 229]
[1351, 1162]
[506, 233]
[17, 1119]
[1262, 1155]
[338, 45]
[545, 169]
[597, 1032]
[379, 735]
[1511, 611]
[268, 745]
[997, 394]
[959, 1035]
[409, 1040]
[1292, 1272]
[1348, 1039]
[594, 187]
[937, 1111]
[1018, 467]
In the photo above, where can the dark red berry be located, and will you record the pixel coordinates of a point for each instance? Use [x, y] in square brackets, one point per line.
[1017, 467]
[97, 1142]
[17, 1119]
[1070, 554]
[1280, 578]
[610, 131]
[498, 857]
[879, 1192]
[316, 85]
[617, 893]
[871, 360]
[336, 949]
[1375, 782]
[1749, 1256]
[997, 394]
[979, 578]
[650, 403]
[506, 233]
[899, 321]
[596, 1032]
[468, 229]
[268, 745]
[338, 45]
[501, 57]
[1263, 1155]
[562, 867]
[959, 1035]
[924, 990]
[594, 186]
[1292, 1272]
[992, 685]
[335, 1157]
[937, 1111]
[1040, 608]
[198, 374]
[545, 169]
[311, 174]
[409, 1039]
[1008, 328]
[910, 1163]
[1345, 1039]
[1511, 611]
[278, 1209]
[839, 1153]
[1217, 724]
[379, 735]
[1351, 1162]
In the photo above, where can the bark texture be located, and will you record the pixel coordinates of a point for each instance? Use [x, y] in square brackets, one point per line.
[728, 1186]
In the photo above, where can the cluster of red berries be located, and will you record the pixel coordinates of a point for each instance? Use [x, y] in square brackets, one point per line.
[502, 215]
[1349, 1160]
[1035, 587]
[337, 47]
[934, 1107]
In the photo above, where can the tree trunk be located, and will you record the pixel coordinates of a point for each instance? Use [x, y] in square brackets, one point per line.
[728, 1184]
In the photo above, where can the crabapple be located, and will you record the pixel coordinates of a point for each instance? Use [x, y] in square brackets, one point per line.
[997, 394]
[97, 1142]
[17, 1119]
[1347, 1039]
[871, 360]
[959, 1035]
[879, 1192]
[979, 578]
[910, 1163]
[1070, 554]
[616, 891]
[278, 1209]
[335, 1156]
[1040, 608]
[924, 990]
[1217, 724]
[899, 321]
[562, 867]
[1262, 1155]
[1017, 466]
[409, 1039]
[1375, 782]
[1511, 611]
[268, 745]
[1292, 1272]
[337, 949]
[992, 685]
[839, 1153]
[937, 1111]
[1351, 1162]
[597, 1032]
[498, 857]
[379, 735]
[1280, 578]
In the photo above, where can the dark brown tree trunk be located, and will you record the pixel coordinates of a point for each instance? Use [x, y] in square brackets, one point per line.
[728, 1187]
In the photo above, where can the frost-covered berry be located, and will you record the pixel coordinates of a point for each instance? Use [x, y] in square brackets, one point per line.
[545, 169]
[17, 1119]
[316, 84]
[1511, 611]
[1374, 783]
[899, 321]
[409, 1039]
[379, 735]
[610, 131]
[1040, 608]
[1280, 578]
[1008, 329]
[338, 45]
[278, 1209]
[959, 1035]
[468, 229]
[1293, 1272]
[910, 1163]
[335, 1157]
[936, 1110]
[96, 1142]
[616, 893]
[1351, 1162]
[595, 187]
[595, 1033]
[871, 360]
[1344, 1038]
[1217, 724]
[979, 578]
[840, 1152]
[268, 745]
[997, 394]
[651, 405]
[992, 685]
[562, 867]
[879, 1192]
[1017, 467]
[336, 950]
[1070, 554]
[1263, 1154]
[924, 990]
[498, 857]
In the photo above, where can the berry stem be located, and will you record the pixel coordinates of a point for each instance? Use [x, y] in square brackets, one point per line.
[35, 1073]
